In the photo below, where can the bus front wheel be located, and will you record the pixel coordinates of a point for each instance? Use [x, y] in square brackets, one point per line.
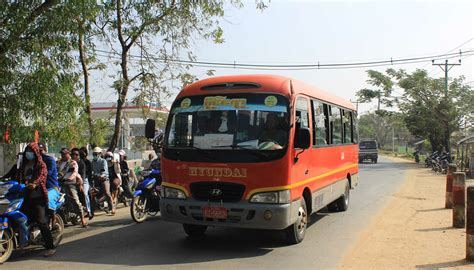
[295, 233]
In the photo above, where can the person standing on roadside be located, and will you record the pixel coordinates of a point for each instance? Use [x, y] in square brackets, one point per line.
[125, 172]
[84, 187]
[114, 176]
[100, 174]
[69, 174]
[33, 173]
[88, 182]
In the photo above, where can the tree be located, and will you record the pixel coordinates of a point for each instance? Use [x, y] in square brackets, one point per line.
[156, 33]
[38, 77]
[383, 88]
[372, 125]
[428, 112]
[85, 32]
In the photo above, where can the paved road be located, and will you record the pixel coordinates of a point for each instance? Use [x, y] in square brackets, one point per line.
[116, 242]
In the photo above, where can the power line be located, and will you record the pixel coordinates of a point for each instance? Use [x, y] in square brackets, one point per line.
[301, 66]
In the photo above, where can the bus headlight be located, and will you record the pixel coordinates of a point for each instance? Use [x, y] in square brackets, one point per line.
[271, 197]
[173, 193]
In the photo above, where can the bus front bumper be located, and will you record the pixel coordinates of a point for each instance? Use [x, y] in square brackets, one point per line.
[241, 214]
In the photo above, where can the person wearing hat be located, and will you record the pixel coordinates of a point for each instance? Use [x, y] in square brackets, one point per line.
[68, 177]
[100, 174]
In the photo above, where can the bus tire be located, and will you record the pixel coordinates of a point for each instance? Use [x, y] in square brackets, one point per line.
[194, 231]
[295, 233]
[341, 204]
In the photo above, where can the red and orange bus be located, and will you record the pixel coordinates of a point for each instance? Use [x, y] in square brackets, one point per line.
[256, 151]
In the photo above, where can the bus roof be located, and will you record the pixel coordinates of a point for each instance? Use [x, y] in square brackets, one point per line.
[267, 83]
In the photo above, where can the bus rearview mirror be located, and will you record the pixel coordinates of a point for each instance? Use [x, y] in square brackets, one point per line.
[150, 129]
[303, 139]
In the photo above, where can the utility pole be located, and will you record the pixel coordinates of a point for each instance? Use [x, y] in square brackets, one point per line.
[446, 67]
[393, 140]
[357, 105]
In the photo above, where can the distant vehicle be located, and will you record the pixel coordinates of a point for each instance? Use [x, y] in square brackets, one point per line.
[368, 150]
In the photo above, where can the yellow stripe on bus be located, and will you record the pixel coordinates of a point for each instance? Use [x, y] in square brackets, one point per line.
[297, 184]
[300, 183]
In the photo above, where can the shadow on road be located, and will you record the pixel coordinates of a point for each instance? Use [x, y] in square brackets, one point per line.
[443, 265]
[156, 242]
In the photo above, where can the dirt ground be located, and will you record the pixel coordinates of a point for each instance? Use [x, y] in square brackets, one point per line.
[413, 231]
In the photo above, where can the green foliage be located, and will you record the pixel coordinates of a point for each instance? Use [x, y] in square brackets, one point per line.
[38, 77]
[428, 112]
[383, 88]
[379, 127]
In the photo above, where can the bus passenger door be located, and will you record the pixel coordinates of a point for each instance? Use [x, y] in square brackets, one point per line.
[300, 170]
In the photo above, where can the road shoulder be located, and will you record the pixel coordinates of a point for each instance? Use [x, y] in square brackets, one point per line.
[413, 231]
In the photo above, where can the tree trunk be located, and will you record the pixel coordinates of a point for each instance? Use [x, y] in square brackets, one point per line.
[85, 71]
[121, 99]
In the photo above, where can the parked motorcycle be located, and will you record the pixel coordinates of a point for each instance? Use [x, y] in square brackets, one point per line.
[12, 220]
[146, 198]
[416, 154]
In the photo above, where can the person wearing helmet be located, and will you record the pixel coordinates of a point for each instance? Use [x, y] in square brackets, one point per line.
[125, 173]
[114, 176]
[100, 174]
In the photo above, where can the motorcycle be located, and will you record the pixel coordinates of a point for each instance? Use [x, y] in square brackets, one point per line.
[13, 222]
[146, 198]
[68, 212]
[416, 154]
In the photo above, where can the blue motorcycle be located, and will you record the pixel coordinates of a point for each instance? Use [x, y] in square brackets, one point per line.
[14, 225]
[146, 198]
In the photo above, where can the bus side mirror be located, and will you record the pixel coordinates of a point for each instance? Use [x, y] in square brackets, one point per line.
[303, 138]
[150, 129]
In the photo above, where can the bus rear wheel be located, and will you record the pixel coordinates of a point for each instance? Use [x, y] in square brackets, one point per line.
[341, 204]
[194, 231]
[295, 233]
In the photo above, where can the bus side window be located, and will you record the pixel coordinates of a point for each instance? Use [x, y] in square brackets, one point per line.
[355, 128]
[327, 123]
[301, 115]
[320, 128]
[347, 126]
[336, 125]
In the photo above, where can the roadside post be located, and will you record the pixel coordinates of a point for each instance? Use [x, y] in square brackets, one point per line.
[470, 224]
[459, 208]
[449, 186]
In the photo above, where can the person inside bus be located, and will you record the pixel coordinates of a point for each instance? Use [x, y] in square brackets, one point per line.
[273, 133]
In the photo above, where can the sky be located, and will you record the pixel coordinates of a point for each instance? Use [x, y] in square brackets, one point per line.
[308, 32]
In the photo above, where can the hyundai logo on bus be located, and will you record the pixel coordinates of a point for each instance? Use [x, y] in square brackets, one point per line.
[215, 192]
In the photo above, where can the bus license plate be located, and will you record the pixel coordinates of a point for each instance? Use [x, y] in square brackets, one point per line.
[214, 212]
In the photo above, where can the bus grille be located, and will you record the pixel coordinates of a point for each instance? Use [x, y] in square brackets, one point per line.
[217, 191]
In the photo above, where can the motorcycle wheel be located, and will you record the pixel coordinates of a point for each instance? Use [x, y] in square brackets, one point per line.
[6, 245]
[57, 230]
[74, 218]
[138, 209]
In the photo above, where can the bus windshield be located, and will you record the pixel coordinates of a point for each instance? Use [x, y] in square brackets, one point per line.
[232, 121]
